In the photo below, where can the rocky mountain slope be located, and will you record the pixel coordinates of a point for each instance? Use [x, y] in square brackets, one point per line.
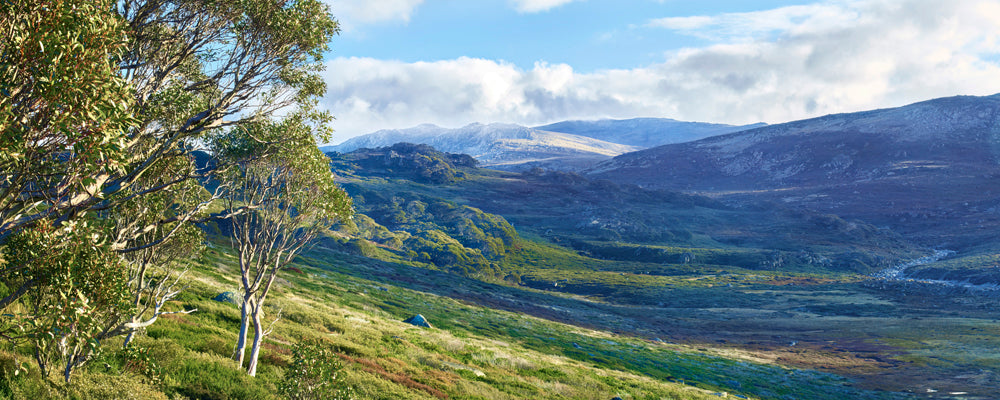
[930, 170]
[500, 146]
[645, 132]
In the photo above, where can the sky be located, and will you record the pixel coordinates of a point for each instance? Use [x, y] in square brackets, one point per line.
[401, 63]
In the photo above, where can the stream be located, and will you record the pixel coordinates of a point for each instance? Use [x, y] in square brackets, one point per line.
[898, 274]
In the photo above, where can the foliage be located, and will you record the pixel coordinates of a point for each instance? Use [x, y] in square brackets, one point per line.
[96, 97]
[101, 105]
[81, 286]
[141, 361]
[313, 373]
[65, 112]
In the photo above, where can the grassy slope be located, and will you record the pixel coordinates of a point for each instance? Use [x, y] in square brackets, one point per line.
[384, 358]
[472, 353]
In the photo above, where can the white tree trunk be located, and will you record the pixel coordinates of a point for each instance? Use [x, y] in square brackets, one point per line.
[241, 340]
[258, 340]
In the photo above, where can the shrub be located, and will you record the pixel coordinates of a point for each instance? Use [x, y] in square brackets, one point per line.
[140, 361]
[313, 373]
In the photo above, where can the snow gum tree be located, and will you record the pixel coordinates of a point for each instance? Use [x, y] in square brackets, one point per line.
[283, 185]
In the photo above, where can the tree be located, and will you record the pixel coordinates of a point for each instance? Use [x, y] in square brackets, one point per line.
[283, 183]
[154, 272]
[95, 94]
[65, 112]
[102, 103]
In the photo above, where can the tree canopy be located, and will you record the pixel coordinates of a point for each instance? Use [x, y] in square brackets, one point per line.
[102, 106]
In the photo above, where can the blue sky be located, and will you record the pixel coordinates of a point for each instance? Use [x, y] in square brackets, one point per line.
[590, 35]
[400, 63]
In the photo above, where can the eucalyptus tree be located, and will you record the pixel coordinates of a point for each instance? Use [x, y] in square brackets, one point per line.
[102, 103]
[94, 94]
[286, 190]
[65, 118]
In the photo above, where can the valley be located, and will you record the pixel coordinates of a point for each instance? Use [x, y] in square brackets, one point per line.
[191, 209]
[803, 271]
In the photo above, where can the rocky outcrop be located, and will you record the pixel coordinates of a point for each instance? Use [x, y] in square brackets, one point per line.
[418, 320]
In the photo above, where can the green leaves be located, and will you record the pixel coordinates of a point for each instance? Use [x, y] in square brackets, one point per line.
[81, 285]
[64, 110]
[313, 373]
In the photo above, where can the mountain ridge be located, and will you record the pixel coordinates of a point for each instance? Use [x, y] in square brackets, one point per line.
[568, 145]
[926, 161]
[645, 132]
[504, 146]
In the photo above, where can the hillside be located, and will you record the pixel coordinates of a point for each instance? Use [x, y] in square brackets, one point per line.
[599, 216]
[926, 170]
[501, 146]
[785, 285]
[551, 285]
[472, 352]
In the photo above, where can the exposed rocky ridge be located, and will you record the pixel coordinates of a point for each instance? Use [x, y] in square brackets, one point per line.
[930, 169]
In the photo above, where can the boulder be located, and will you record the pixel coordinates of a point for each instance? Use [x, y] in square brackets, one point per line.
[418, 320]
[227, 297]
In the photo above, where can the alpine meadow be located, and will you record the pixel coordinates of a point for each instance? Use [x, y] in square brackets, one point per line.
[504, 206]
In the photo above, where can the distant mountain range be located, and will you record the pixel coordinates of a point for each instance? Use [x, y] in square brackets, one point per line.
[503, 146]
[931, 168]
[645, 132]
[569, 145]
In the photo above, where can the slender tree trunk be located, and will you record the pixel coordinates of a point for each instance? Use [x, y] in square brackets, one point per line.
[128, 339]
[137, 299]
[258, 339]
[241, 340]
[69, 368]
[42, 364]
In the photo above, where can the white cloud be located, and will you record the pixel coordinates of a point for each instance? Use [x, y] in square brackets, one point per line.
[790, 20]
[533, 6]
[868, 54]
[357, 12]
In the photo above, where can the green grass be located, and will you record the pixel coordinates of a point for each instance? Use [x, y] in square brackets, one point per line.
[472, 353]
[384, 358]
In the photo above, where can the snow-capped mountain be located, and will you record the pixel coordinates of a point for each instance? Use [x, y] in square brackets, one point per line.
[567, 145]
[645, 132]
[504, 146]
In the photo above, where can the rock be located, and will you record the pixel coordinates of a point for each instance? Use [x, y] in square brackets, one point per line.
[227, 297]
[418, 320]
[617, 398]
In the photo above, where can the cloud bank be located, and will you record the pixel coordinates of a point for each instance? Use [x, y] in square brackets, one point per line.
[773, 66]
[533, 6]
